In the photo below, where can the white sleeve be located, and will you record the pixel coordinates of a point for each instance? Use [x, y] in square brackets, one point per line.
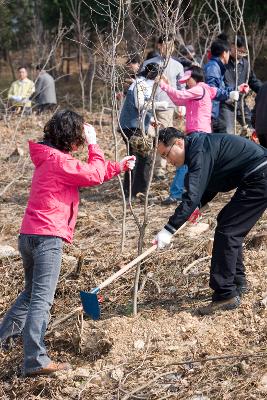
[139, 95]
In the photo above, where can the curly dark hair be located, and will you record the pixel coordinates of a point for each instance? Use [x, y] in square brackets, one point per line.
[65, 130]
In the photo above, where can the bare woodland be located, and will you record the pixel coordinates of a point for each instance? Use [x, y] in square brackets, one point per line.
[149, 344]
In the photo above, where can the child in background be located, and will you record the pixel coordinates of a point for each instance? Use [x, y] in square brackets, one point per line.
[49, 220]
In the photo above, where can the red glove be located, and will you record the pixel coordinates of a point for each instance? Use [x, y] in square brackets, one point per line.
[195, 216]
[254, 137]
[243, 88]
[127, 163]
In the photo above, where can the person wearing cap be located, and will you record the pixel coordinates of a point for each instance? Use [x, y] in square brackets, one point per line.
[214, 76]
[197, 99]
[173, 71]
[134, 119]
[219, 163]
[238, 64]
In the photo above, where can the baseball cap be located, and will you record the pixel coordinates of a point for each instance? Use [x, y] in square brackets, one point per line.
[185, 77]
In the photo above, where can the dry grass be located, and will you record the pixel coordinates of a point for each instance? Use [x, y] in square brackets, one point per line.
[119, 354]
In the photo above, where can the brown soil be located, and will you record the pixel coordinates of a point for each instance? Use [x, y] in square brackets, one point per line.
[150, 356]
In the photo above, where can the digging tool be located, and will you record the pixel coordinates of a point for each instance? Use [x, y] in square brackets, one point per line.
[89, 299]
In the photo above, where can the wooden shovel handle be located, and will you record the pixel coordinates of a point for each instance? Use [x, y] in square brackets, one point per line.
[132, 263]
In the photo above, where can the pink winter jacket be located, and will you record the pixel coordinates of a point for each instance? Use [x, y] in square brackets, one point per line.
[197, 101]
[54, 198]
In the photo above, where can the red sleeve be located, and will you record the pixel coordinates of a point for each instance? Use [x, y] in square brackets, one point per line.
[76, 173]
[112, 169]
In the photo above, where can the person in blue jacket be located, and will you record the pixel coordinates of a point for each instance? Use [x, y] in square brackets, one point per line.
[214, 75]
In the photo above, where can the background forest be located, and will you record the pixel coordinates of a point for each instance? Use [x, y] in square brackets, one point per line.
[80, 41]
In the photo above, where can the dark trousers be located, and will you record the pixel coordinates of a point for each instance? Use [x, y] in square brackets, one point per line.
[140, 174]
[234, 222]
[225, 123]
[263, 139]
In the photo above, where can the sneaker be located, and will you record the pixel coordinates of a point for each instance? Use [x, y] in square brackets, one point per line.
[223, 305]
[50, 369]
[159, 177]
[169, 200]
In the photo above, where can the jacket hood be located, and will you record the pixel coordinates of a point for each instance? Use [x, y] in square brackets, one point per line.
[40, 152]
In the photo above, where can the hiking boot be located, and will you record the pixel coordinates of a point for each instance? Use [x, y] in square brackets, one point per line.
[50, 369]
[222, 305]
[169, 200]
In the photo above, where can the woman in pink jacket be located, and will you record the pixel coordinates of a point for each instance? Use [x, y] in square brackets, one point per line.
[197, 99]
[49, 220]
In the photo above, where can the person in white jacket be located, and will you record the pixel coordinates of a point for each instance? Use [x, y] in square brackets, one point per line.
[135, 119]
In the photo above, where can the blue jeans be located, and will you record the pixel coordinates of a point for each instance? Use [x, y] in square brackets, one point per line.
[177, 186]
[29, 315]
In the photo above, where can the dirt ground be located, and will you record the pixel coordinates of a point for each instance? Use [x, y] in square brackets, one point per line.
[166, 351]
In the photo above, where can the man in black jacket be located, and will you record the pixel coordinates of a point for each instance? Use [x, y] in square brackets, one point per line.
[219, 163]
[237, 60]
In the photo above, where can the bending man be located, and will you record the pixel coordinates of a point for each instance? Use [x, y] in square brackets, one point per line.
[219, 163]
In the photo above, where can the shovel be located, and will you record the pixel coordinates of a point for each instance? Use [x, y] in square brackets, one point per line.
[89, 299]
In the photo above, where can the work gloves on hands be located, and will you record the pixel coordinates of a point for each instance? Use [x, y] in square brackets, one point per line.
[243, 88]
[90, 134]
[127, 163]
[234, 95]
[164, 237]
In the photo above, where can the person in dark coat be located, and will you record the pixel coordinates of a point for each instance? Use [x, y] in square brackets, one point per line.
[219, 163]
[45, 91]
[214, 75]
[227, 114]
[259, 115]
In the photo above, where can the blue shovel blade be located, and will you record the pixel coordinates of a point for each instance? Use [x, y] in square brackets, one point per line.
[90, 304]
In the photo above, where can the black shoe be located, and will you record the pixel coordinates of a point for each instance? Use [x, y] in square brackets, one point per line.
[223, 305]
[169, 200]
[243, 288]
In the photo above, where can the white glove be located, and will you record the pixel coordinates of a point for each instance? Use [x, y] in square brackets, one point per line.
[161, 105]
[90, 134]
[127, 163]
[234, 95]
[16, 98]
[163, 238]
